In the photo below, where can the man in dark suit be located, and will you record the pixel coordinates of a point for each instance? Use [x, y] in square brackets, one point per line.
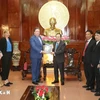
[58, 52]
[87, 52]
[36, 47]
[96, 62]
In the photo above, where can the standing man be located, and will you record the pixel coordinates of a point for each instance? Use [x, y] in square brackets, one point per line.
[87, 54]
[58, 52]
[96, 62]
[36, 47]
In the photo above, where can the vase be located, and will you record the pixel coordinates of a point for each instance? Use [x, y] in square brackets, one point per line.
[16, 54]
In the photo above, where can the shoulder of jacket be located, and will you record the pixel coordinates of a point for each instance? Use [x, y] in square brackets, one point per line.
[32, 36]
[62, 42]
[93, 40]
[3, 38]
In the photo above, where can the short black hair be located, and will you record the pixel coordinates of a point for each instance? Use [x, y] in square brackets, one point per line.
[59, 34]
[89, 31]
[36, 28]
[97, 32]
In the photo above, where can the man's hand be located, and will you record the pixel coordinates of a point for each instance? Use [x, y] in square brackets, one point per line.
[91, 65]
[43, 52]
[98, 66]
[52, 53]
[1, 55]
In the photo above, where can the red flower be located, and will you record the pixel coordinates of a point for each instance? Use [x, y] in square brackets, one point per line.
[42, 87]
[40, 93]
[37, 88]
[46, 89]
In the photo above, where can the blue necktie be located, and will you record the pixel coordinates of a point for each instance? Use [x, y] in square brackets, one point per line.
[56, 46]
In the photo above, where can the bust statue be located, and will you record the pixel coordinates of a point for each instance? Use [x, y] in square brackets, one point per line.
[52, 31]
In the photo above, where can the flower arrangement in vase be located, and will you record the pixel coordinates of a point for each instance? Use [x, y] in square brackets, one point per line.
[51, 39]
[41, 93]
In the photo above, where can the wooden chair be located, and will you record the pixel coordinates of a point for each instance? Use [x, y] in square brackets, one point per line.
[26, 65]
[73, 63]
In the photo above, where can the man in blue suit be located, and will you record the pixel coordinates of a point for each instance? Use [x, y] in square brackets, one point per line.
[36, 50]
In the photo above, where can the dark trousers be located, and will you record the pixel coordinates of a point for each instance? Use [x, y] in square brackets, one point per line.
[89, 74]
[6, 62]
[97, 71]
[59, 66]
[36, 65]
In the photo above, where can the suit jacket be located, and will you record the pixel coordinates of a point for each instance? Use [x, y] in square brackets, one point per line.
[35, 47]
[59, 54]
[88, 51]
[96, 54]
[3, 45]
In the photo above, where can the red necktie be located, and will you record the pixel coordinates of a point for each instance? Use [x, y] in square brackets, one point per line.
[85, 48]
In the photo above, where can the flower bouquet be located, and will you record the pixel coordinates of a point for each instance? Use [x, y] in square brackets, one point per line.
[41, 93]
[51, 39]
[65, 39]
[48, 39]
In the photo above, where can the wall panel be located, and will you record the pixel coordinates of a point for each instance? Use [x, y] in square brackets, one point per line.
[22, 16]
[14, 19]
[13, 6]
[3, 14]
[93, 15]
[15, 34]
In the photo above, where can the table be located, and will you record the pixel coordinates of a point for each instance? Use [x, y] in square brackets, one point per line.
[53, 90]
[45, 71]
[27, 94]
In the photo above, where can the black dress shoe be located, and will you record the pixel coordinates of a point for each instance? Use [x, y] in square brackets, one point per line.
[62, 83]
[10, 83]
[97, 94]
[35, 83]
[6, 84]
[55, 82]
[93, 90]
[85, 86]
[89, 88]
[38, 81]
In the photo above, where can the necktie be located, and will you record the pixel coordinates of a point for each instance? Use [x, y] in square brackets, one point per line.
[40, 40]
[56, 46]
[85, 48]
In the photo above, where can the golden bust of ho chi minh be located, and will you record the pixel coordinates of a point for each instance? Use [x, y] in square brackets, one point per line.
[53, 16]
[52, 31]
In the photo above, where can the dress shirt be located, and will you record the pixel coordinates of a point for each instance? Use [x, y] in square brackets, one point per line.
[9, 48]
[97, 42]
[40, 40]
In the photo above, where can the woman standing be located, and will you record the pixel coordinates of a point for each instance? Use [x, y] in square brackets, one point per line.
[6, 50]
